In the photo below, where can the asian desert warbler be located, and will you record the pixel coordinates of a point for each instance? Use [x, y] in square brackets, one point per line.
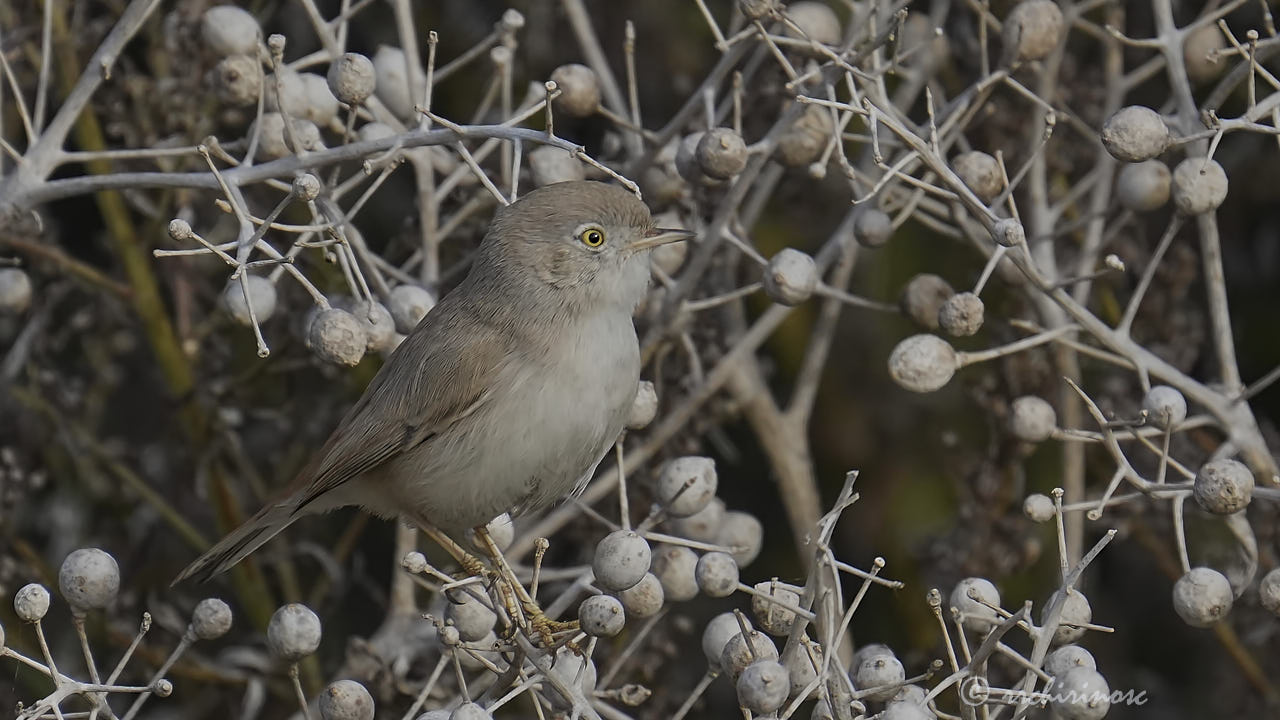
[508, 393]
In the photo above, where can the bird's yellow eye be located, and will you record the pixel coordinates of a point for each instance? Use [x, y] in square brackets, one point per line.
[592, 237]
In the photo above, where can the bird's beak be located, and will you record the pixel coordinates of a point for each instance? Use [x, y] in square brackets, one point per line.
[659, 236]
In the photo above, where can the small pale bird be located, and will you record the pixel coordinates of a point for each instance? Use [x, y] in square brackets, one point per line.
[507, 394]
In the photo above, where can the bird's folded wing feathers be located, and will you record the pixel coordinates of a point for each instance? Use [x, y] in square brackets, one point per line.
[408, 402]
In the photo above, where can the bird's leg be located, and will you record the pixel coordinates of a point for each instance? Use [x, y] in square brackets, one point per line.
[538, 621]
[472, 566]
[470, 563]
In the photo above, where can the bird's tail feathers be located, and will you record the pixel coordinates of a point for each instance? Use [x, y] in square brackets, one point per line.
[233, 548]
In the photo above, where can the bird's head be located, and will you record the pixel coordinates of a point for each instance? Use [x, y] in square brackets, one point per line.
[583, 242]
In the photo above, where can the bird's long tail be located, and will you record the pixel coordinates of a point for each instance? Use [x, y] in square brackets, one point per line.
[233, 548]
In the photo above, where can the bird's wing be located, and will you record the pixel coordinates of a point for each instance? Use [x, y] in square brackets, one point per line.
[441, 373]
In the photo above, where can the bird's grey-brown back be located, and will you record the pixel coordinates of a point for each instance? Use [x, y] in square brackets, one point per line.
[507, 394]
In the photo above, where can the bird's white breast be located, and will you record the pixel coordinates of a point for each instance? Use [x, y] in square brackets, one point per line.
[551, 417]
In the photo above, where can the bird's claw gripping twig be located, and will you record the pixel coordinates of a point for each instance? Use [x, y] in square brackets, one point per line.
[524, 611]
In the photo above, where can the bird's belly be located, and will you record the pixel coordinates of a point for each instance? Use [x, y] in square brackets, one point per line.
[547, 424]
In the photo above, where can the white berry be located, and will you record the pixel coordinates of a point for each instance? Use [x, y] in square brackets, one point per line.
[1067, 657]
[15, 290]
[472, 617]
[1144, 186]
[375, 131]
[1032, 419]
[816, 20]
[717, 574]
[1165, 406]
[880, 671]
[379, 327]
[345, 700]
[294, 632]
[414, 561]
[1196, 48]
[686, 160]
[273, 143]
[675, 566]
[1080, 694]
[742, 532]
[1223, 486]
[262, 294]
[772, 616]
[552, 165]
[907, 710]
[980, 173]
[872, 228]
[1075, 614]
[31, 602]
[391, 83]
[721, 153]
[1268, 592]
[687, 485]
[923, 363]
[622, 558]
[238, 79]
[1032, 30]
[1202, 597]
[338, 337]
[704, 525]
[408, 305]
[286, 93]
[89, 580]
[804, 141]
[1008, 232]
[763, 686]
[1038, 508]
[601, 616]
[644, 408]
[644, 599]
[975, 612]
[961, 314]
[1135, 133]
[910, 694]
[790, 277]
[229, 30]
[716, 635]
[501, 529]
[211, 619]
[352, 78]
[670, 257]
[922, 298]
[742, 650]
[322, 107]
[579, 90]
[868, 651]
[1199, 186]
[801, 668]
[470, 711]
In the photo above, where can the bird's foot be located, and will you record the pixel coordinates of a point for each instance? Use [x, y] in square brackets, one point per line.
[545, 627]
[526, 614]
[472, 566]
